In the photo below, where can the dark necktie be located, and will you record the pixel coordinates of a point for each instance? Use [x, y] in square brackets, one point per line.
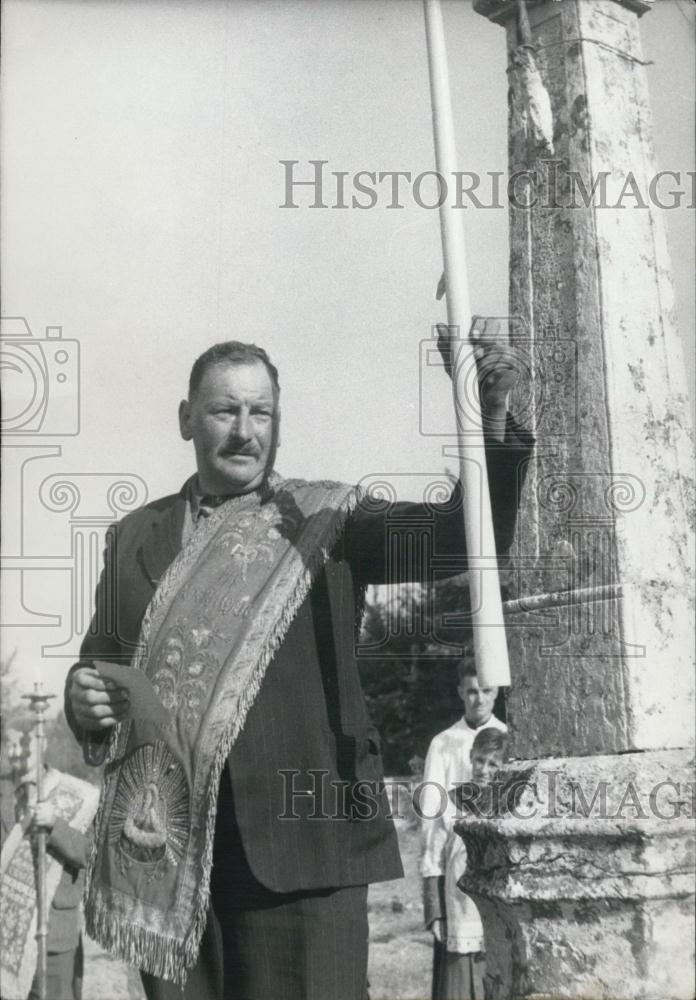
[206, 505]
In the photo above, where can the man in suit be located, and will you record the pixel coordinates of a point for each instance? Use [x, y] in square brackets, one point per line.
[291, 863]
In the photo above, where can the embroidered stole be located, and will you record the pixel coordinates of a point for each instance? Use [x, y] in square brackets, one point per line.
[212, 627]
[76, 802]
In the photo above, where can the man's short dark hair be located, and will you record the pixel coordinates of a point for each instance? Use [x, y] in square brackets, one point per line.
[490, 740]
[466, 668]
[231, 352]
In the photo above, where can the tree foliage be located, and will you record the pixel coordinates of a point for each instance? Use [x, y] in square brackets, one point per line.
[410, 684]
[19, 721]
[408, 658]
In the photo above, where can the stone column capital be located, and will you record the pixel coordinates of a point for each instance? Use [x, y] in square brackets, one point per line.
[501, 11]
[582, 870]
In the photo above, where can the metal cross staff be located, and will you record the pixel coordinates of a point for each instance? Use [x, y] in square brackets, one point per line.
[490, 646]
[39, 701]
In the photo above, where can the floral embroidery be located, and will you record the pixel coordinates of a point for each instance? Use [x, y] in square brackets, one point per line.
[185, 666]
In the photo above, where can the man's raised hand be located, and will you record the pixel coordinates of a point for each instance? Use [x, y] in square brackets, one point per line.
[96, 703]
[497, 364]
[498, 368]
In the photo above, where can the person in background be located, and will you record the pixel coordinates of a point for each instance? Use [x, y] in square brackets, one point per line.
[65, 813]
[451, 916]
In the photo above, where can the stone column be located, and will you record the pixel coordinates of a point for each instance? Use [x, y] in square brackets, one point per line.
[590, 895]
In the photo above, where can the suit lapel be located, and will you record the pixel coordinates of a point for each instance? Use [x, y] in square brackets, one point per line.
[163, 541]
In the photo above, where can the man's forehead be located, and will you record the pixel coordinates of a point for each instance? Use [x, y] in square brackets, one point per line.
[230, 378]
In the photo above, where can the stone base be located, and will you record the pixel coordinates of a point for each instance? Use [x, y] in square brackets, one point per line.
[583, 870]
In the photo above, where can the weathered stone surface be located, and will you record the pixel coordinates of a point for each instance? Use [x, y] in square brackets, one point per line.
[583, 870]
[502, 11]
[609, 496]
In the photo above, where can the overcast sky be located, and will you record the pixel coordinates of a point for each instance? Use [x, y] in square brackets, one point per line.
[142, 186]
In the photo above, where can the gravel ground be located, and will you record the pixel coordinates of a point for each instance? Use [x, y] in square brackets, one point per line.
[108, 979]
[400, 950]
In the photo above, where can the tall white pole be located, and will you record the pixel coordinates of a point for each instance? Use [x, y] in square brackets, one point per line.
[490, 646]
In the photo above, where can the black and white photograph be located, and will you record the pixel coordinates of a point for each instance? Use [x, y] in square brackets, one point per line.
[348, 393]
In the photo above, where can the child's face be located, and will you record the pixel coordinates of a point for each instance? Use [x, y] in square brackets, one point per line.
[485, 765]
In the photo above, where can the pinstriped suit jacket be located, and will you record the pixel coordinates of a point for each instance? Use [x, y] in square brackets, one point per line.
[308, 747]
